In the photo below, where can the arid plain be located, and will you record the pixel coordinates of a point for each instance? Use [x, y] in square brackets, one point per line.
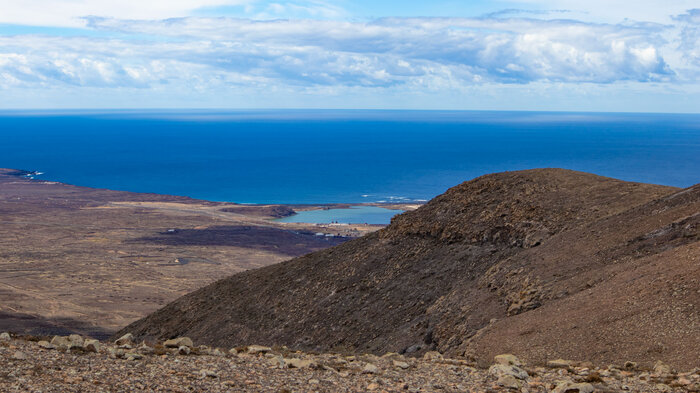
[76, 259]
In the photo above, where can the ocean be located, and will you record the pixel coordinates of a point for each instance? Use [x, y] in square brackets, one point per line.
[310, 157]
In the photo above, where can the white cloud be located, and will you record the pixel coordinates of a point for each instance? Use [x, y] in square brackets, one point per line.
[615, 11]
[689, 43]
[419, 56]
[69, 12]
[391, 51]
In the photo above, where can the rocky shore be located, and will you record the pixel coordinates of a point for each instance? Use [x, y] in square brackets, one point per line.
[77, 364]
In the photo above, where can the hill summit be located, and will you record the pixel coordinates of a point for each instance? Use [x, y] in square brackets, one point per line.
[545, 264]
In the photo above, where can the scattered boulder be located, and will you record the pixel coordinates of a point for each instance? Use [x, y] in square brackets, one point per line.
[145, 349]
[401, 364]
[570, 387]
[46, 345]
[560, 363]
[432, 356]
[414, 348]
[61, 342]
[127, 339]
[5, 336]
[662, 368]
[233, 352]
[208, 374]
[500, 370]
[663, 388]
[133, 356]
[91, 345]
[179, 342]
[277, 361]
[76, 340]
[509, 382]
[257, 349]
[116, 353]
[507, 359]
[370, 369]
[67, 343]
[18, 355]
[300, 363]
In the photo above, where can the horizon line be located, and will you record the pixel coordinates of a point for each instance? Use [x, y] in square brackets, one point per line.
[194, 109]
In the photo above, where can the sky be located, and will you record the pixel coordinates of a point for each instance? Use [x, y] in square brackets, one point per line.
[558, 55]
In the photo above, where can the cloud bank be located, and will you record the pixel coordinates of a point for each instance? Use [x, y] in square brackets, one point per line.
[330, 57]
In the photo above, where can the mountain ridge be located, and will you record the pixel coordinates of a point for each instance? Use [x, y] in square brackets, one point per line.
[455, 274]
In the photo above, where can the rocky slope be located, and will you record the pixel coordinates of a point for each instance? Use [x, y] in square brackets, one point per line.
[542, 263]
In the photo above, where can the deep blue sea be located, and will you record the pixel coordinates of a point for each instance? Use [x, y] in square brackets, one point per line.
[298, 156]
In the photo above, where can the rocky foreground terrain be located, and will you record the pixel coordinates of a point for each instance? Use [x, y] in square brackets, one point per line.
[79, 364]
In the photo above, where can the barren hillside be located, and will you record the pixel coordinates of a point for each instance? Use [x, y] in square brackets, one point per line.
[543, 263]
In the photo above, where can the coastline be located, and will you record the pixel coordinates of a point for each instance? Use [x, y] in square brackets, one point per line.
[293, 207]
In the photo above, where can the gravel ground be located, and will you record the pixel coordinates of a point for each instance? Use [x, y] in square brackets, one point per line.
[26, 366]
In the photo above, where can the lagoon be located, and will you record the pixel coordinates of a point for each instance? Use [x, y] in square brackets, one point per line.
[353, 215]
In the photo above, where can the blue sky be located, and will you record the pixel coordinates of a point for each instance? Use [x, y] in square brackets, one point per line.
[603, 55]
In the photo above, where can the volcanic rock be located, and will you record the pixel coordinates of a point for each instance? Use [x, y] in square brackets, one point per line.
[46, 345]
[299, 363]
[126, 339]
[507, 359]
[500, 370]
[570, 387]
[509, 382]
[91, 345]
[179, 342]
[256, 349]
[18, 355]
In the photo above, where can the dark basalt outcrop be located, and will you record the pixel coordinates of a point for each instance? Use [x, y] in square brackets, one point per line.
[543, 263]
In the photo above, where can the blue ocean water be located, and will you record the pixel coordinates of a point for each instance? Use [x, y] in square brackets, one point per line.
[352, 215]
[300, 156]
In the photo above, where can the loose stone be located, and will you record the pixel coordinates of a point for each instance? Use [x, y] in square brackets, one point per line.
[401, 365]
[508, 382]
[126, 339]
[507, 359]
[46, 345]
[570, 387]
[18, 355]
[256, 349]
[500, 370]
[179, 342]
[370, 369]
[91, 345]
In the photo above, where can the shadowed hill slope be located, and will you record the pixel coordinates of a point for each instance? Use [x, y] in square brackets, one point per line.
[543, 263]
